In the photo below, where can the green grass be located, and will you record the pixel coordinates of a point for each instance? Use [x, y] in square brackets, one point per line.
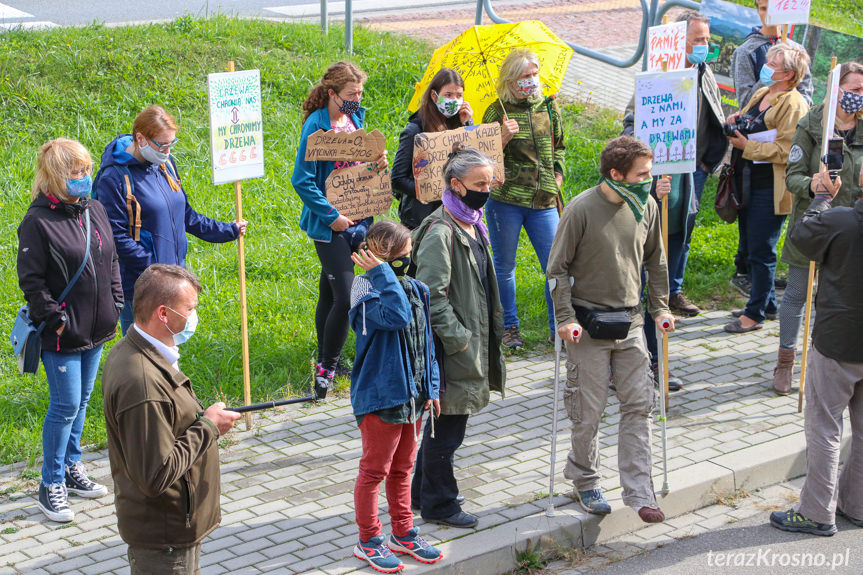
[89, 83]
[840, 15]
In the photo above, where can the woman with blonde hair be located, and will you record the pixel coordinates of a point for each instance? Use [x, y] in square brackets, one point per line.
[773, 111]
[67, 269]
[150, 214]
[533, 159]
[333, 104]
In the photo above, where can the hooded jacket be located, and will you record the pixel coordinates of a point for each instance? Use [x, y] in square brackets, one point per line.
[804, 159]
[746, 63]
[51, 245]
[150, 212]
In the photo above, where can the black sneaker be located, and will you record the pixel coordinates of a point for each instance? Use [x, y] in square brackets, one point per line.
[742, 283]
[512, 338]
[460, 519]
[80, 484]
[674, 383]
[323, 381]
[792, 521]
[852, 520]
[54, 502]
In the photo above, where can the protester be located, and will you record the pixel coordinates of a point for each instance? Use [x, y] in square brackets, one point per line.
[164, 456]
[804, 177]
[606, 234]
[746, 63]
[140, 186]
[834, 383]
[761, 156]
[451, 252]
[442, 107]
[53, 247]
[333, 104]
[533, 159]
[395, 378]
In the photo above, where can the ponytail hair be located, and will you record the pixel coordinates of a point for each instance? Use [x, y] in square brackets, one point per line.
[335, 78]
[462, 160]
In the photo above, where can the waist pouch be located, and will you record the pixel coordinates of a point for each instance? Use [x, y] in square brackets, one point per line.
[602, 324]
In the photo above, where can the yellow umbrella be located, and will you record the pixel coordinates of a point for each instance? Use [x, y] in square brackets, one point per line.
[478, 53]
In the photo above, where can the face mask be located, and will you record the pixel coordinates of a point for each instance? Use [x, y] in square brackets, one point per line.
[79, 188]
[699, 54]
[449, 107]
[349, 107]
[152, 155]
[474, 199]
[635, 194]
[851, 102]
[528, 86]
[766, 75]
[189, 330]
[400, 265]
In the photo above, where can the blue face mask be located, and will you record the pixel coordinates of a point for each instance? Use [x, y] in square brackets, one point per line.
[188, 331]
[699, 54]
[766, 75]
[79, 188]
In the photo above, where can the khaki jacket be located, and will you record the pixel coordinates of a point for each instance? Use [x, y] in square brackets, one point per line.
[786, 109]
[164, 458]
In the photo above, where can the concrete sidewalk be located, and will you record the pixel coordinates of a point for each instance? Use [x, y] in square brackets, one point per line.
[287, 491]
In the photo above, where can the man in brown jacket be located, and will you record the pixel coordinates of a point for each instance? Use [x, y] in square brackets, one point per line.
[164, 457]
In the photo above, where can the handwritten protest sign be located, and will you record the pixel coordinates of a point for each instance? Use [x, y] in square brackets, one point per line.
[236, 126]
[359, 191]
[666, 44]
[431, 150]
[788, 11]
[666, 118]
[831, 98]
[332, 146]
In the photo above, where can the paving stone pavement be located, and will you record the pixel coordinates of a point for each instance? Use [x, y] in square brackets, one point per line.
[287, 485]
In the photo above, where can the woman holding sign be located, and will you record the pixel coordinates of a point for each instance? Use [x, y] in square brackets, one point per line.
[443, 108]
[149, 211]
[533, 166]
[333, 104]
[763, 130]
[804, 178]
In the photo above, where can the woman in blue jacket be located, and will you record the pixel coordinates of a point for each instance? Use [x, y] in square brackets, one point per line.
[334, 104]
[149, 212]
[395, 378]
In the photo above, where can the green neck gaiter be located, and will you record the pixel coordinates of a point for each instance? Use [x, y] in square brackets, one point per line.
[634, 194]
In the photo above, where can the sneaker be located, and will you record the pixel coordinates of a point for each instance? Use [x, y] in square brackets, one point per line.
[80, 484]
[593, 501]
[674, 383]
[742, 283]
[460, 519]
[512, 338]
[416, 506]
[680, 305]
[378, 555]
[54, 502]
[415, 546]
[342, 369]
[852, 520]
[792, 521]
[323, 381]
[780, 283]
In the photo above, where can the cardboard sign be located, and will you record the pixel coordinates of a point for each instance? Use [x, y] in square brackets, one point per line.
[666, 44]
[332, 146]
[831, 99]
[788, 11]
[666, 118]
[431, 150]
[360, 191]
[236, 126]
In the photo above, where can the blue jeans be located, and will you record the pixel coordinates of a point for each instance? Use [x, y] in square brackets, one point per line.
[763, 228]
[70, 382]
[678, 244]
[127, 318]
[504, 228]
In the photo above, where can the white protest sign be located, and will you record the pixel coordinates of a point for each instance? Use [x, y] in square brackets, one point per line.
[666, 118]
[831, 98]
[788, 12]
[236, 126]
[666, 43]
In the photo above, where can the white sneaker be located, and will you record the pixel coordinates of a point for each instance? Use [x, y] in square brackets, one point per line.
[53, 501]
[78, 483]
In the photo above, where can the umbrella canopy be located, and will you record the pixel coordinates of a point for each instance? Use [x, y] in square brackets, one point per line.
[478, 53]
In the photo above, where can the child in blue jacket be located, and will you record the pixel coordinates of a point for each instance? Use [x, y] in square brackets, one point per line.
[394, 379]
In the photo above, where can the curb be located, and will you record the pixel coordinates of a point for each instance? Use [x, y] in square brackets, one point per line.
[493, 550]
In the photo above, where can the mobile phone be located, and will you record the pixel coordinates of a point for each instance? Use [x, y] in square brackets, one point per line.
[834, 158]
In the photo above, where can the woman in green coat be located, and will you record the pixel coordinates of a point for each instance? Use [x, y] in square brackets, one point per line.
[804, 175]
[451, 252]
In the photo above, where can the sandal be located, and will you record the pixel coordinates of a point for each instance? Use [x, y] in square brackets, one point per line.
[737, 327]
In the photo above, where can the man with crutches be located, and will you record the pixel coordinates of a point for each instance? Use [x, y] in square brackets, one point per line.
[605, 235]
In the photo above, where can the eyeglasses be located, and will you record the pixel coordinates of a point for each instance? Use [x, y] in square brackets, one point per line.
[164, 147]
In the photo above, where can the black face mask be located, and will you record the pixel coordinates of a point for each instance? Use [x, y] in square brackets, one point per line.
[400, 265]
[474, 199]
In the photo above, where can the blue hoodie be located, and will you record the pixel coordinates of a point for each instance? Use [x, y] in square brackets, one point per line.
[149, 218]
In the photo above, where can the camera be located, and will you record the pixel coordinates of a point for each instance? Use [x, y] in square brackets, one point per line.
[744, 125]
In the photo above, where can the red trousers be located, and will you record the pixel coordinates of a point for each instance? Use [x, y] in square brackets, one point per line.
[389, 451]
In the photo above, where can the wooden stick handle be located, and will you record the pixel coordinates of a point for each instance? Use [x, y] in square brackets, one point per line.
[806, 319]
